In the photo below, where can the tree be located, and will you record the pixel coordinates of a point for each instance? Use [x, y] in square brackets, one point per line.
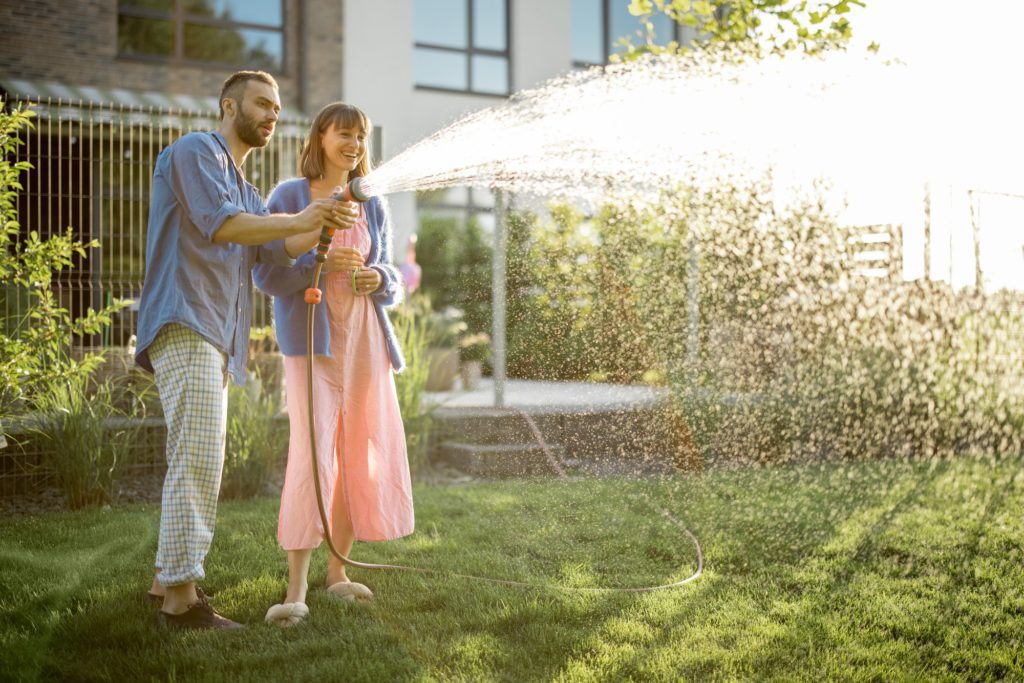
[773, 25]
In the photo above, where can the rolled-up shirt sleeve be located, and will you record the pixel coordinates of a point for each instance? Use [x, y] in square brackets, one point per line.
[275, 253]
[200, 183]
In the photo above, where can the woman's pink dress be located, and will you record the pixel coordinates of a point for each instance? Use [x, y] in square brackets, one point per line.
[360, 440]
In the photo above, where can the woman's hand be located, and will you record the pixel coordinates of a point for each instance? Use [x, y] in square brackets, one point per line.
[367, 280]
[344, 259]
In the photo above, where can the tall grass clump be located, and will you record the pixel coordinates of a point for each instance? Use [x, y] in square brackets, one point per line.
[85, 438]
[411, 327]
[257, 441]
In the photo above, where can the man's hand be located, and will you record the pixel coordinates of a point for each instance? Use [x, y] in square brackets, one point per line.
[339, 215]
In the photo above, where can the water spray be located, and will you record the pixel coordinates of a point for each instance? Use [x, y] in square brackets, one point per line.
[359, 190]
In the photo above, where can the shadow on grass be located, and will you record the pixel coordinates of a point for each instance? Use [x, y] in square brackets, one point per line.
[829, 570]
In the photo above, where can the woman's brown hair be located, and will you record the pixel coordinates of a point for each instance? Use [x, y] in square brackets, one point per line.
[311, 161]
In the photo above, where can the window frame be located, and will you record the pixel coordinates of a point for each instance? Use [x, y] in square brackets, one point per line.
[465, 210]
[471, 51]
[179, 17]
[606, 37]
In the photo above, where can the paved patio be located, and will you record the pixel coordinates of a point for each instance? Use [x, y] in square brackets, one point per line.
[611, 427]
[545, 397]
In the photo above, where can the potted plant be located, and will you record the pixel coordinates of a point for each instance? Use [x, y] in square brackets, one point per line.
[474, 349]
[445, 328]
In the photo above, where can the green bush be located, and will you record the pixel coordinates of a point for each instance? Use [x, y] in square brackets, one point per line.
[551, 329]
[37, 333]
[86, 439]
[257, 441]
[456, 262]
[754, 314]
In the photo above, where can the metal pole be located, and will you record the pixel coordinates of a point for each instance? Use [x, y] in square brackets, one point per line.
[498, 300]
[693, 313]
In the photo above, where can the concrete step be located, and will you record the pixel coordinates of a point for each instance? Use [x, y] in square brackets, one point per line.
[587, 435]
[499, 460]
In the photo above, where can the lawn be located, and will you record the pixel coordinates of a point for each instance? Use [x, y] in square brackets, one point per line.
[882, 570]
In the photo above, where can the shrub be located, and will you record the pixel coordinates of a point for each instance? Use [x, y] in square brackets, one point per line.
[551, 331]
[456, 262]
[35, 341]
[257, 441]
[86, 439]
[755, 315]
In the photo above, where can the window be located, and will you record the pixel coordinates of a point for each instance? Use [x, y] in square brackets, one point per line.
[460, 204]
[597, 25]
[462, 45]
[242, 33]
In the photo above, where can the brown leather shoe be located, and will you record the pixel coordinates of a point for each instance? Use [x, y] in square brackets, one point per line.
[199, 616]
[153, 597]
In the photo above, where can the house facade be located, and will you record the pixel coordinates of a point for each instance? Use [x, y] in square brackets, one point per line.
[115, 81]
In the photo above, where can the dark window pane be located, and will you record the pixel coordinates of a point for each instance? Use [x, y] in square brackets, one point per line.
[489, 24]
[664, 28]
[140, 36]
[623, 24]
[162, 5]
[440, 69]
[246, 11]
[490, 75]
[442, 22]
[587, 32]
[242, 47]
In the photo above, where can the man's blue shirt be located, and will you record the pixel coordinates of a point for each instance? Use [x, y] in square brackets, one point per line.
[191, 280]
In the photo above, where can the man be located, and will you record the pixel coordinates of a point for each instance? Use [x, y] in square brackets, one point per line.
[207, 228]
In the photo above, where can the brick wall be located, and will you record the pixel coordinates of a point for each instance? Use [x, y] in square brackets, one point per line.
[75, 42]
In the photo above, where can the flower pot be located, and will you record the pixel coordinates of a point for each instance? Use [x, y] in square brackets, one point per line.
[443, 364]
[471, 371]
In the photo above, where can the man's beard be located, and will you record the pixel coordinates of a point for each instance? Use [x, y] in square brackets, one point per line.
[248, 131]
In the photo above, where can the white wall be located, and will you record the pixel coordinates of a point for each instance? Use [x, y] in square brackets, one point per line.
[378, 75]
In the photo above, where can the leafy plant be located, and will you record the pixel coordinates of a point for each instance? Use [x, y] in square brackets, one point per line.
[807, 25]
[411, 327]
[257, 440]
[86, 439]
[444, 328]
[456, 263]
[36, 333]
[475, 347]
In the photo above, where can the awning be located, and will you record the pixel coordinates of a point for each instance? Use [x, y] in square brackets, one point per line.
[89, 104]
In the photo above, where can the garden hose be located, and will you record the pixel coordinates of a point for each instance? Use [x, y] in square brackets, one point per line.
[354, 192]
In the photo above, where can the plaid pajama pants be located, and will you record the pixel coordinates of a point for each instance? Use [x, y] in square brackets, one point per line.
[191, 376]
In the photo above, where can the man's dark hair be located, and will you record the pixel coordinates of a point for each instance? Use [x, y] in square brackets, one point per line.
[234, 86]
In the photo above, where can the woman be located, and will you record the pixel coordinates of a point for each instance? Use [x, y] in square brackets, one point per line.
[360, 441]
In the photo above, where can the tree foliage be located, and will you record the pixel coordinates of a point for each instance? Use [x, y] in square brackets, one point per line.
[772, 25]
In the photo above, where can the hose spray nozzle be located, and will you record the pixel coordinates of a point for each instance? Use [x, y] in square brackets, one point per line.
[357, 190]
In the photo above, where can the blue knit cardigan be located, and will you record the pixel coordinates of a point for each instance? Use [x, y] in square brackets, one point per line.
[288, 284]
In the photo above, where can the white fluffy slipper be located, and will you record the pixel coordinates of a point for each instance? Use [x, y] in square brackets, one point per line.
[288, 614]
[349, 591]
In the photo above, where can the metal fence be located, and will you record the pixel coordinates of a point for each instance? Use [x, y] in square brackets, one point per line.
[91, 170]
[92, 166]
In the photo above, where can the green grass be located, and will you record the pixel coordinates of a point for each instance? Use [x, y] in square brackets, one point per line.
[885, 570]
